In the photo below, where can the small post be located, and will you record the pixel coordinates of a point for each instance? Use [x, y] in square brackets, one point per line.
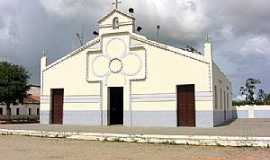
[43, 60]
[158, 30]
[208, 48]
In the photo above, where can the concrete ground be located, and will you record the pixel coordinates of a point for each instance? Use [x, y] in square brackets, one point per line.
[239, 127]
[26, 148]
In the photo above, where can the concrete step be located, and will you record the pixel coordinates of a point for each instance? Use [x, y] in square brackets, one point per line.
[233, 141]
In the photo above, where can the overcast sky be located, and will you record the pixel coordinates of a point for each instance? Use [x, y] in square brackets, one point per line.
[239, 30]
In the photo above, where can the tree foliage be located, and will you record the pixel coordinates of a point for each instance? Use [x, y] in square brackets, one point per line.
[261, 95]
[267, 99]
[251, 95]
[249, 90]
[13, 84]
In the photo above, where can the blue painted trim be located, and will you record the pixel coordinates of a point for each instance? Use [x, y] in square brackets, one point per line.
[262, 113]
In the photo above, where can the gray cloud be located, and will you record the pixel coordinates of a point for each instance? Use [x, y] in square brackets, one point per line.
[240, 30]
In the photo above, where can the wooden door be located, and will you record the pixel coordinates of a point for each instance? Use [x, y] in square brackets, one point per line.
[225, 107]
[57, 106]
[186, 105]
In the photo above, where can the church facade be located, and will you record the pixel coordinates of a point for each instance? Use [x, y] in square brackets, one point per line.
[123, 78]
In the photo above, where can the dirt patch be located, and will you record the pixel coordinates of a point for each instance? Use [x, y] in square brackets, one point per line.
[17, 147]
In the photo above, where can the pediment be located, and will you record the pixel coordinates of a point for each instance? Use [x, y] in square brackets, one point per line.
[123, 17]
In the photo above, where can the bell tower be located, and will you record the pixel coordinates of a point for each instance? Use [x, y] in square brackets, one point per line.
[116, 21]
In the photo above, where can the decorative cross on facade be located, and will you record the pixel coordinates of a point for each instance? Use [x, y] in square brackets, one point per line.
[117, 64]
[116, 3]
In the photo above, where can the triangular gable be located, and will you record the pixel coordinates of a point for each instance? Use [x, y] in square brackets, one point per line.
[89, 44]
[114, 11]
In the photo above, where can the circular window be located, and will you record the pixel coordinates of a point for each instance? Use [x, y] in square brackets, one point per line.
[116, 65]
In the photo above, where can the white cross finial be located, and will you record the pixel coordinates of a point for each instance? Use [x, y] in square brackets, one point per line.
[116, 3]
[207, 37]
[44, 52]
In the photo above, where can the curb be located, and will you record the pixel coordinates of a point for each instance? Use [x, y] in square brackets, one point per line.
[155, 139]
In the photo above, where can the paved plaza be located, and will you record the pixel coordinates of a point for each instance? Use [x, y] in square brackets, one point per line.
[239, 133]
[239, 127]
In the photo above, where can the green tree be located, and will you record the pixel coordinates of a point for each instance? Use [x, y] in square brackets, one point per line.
[267, 99]
[249, 90]
[261, 96]
[13, 84]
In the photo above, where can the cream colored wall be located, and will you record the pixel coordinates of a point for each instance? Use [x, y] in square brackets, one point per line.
[221, 82]
[166, 70]
[70, 74]
[152, 88]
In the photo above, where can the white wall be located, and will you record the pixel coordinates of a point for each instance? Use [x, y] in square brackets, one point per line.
[23, 109]
[223, 110]
[34, 90]
[252, 111]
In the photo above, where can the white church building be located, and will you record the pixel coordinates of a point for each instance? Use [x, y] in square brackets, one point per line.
[123, 78]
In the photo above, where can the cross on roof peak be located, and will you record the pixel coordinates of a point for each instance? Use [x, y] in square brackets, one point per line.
[116, 3]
